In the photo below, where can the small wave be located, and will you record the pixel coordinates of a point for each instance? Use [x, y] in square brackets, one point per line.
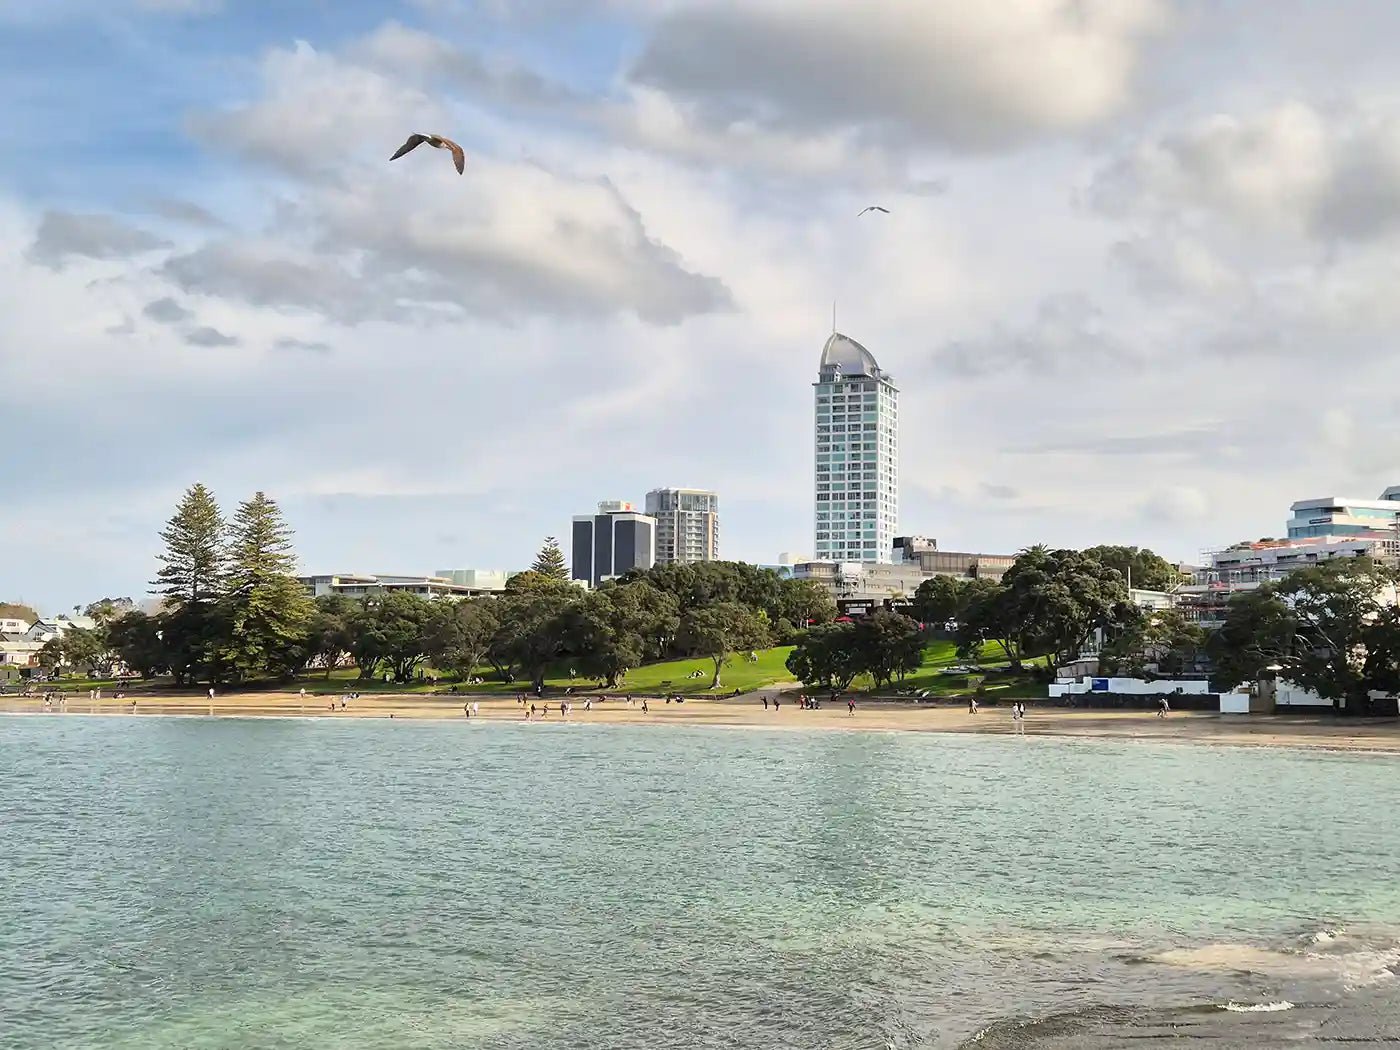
[1257, 1008]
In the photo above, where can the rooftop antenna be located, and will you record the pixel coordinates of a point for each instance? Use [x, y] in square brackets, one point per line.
[833, 317]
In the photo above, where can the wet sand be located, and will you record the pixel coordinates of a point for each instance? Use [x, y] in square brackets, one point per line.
[1311, 731]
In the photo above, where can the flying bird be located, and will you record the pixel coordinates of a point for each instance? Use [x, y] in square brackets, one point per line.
[875, 207]
[415, 140]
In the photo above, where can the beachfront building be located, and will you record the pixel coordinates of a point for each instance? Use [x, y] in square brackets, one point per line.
[1245, 566]
[44, 628]
[363, 585]
[1345, 516]
[13, 625]
[687, 525]
[857, 455]
[614, 541]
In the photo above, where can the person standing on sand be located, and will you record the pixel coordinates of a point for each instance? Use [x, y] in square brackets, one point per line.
[765, 702]
[644, 705]
[851, 705]
[476, 708]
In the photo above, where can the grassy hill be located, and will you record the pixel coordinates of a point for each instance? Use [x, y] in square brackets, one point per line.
[670, 676]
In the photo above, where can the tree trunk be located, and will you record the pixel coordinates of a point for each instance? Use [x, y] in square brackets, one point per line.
[714, 683]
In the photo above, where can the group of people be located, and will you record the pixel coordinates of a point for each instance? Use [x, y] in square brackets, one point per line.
[808, 703]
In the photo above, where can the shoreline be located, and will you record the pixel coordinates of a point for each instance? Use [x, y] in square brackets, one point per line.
[1306, 732]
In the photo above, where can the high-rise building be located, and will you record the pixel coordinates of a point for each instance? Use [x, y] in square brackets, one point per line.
[857, 455]
[611, 542]
[687, 525]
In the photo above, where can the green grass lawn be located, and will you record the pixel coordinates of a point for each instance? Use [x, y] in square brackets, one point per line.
[740, 674]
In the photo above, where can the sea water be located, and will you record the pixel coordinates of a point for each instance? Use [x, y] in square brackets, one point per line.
[367, 885]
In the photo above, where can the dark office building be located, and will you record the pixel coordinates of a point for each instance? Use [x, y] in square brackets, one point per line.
[611, 542]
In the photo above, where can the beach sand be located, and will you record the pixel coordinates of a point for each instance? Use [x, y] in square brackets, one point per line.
[1313, 731]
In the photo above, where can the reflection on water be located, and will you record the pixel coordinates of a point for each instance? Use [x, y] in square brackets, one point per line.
[238, 884]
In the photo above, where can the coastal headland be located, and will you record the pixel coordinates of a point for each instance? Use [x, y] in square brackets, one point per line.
[747, 712]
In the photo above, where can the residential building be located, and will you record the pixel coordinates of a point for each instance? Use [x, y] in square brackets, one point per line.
[1245, 566]
[687, 525]
[857, 455]
[17, 650]
[1343, 516]
[614, 541]
[13, 625]
[44, 628]
[362, 585]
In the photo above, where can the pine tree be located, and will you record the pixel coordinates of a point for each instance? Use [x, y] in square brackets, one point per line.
[268, 615]
[549, 563]
[194, 559]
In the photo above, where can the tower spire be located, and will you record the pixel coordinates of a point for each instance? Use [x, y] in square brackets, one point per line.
[833, 317]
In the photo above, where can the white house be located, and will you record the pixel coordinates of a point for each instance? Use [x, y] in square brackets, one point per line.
[13, 625]
[42, 630]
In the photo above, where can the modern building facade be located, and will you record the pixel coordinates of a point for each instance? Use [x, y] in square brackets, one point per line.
[1342, 516]
[857, 455]
[687, 525]
[615, 540]
[362, 585]
[924, 552]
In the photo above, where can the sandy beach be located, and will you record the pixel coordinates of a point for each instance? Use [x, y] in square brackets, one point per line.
[1309, 731]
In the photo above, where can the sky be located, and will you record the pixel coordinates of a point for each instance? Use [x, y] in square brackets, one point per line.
[1136, 283]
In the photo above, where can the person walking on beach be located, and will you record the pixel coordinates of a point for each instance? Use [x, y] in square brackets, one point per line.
[644, 705]
[851, 705]
[1162, 707]
[765, 702]
[476, 708]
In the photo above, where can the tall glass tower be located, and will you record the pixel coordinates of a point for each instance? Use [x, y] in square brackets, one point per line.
[857, 450]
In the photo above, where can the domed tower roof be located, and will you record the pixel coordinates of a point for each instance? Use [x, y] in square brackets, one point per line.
[844, 355]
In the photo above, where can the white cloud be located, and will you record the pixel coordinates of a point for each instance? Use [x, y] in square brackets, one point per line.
[967, 75]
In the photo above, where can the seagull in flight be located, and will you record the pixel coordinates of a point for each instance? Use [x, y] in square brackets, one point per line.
[875, 207]
[415, 140]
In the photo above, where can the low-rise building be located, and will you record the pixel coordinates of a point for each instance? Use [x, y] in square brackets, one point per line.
[362, 585]
[924, 552]
[1244, 566]
[18, 651]
[484, 581]
[44, 628]
[13, 625]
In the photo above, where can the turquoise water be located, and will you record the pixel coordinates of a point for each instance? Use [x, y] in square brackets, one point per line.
[354, 884]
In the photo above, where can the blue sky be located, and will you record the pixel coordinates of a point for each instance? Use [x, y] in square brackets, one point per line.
[1135, 286]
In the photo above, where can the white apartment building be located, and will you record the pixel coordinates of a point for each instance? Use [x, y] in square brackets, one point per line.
[687, 525]
[857, 455]
[1344, 516]
[362, 585]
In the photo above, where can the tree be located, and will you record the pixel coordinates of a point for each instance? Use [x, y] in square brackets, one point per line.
[1174, 641]
[50, 654]
[887, 644]
[1145, 569]
[1348, 631]
[531, 632]
[1257, 633]
[1052, 600]
[940, 600]
[17, 611]
[84, 650]
[268, 614]
[549, 562]
[827, 655]
[329, 637]
[136, 640]
[803, 604]
[460, 633]
[716, 631]
[391, 628]
[599, 643]
[105, 610]
[195, 556]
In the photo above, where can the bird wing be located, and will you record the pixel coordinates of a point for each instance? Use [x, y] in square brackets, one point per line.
[413, 140]
[458, 157]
